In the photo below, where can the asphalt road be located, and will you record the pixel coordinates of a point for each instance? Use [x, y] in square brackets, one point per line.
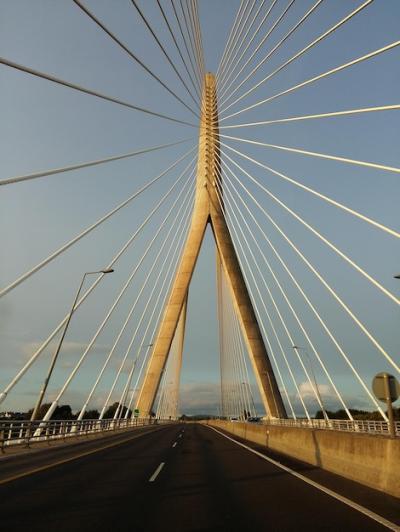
[177, 478]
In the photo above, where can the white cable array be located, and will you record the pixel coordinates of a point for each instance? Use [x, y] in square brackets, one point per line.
[282, 321]
[167, 407]
[229, 366]
[271, 52]
[306, 48]
[144, 284]
[310, 304]
[86, 231]
[238, 39]
[266, 337]
[37, 353]
[125, 392]
[223, 405]
[239, 404]
[246, 380]
[192, 44]
[345, 307]
[90, 92]
[341, 254]
[136, 58]
[167, 22]
[195, 27]
[233, 64]
[347, 112]
[44, 173]
[174, 266]
[222, 83]
[357, 162]
[166, 55]
[240, 363]
[194, 70]
[309, 81]
[294, 313]
[229, 40]
[329, 200]
[54, 404]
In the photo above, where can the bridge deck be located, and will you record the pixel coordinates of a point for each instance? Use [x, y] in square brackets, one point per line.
[207, 482]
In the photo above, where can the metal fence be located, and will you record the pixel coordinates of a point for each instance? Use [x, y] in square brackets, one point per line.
[368, 426]
[27, 432]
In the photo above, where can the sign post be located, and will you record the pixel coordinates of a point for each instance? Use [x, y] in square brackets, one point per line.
[387, 388]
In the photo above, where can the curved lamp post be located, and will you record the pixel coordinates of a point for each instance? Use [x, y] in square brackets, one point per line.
[57, 351]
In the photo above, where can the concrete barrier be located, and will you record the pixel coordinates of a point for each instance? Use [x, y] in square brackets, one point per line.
[372, 460]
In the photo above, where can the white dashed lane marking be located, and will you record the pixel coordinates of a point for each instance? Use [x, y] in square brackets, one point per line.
[156, 472]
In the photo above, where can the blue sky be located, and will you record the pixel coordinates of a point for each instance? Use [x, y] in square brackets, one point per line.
[44, 126]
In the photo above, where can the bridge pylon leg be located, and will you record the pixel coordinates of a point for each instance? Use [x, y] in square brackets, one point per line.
[207, 209]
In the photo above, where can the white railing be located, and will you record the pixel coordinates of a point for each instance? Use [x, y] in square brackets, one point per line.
[369, 426]
[27, 432]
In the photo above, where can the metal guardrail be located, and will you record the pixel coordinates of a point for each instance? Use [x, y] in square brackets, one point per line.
[27, 432]
[366, 426]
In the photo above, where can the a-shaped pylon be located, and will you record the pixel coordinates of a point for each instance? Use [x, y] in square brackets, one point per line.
[208, 209]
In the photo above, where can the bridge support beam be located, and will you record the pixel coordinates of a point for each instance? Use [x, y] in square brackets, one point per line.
[207, 209]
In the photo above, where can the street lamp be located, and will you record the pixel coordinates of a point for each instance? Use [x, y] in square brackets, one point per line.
[54, 359]
[124, 398]
[297, 348]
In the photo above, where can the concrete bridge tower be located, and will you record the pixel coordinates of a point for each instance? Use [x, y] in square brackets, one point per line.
[207, 209]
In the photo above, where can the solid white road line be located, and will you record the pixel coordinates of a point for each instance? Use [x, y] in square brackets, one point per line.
[174, 445]
[156, 472]
[372, 515]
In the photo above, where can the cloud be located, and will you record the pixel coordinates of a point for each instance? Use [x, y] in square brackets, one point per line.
[199, 397]
[68, 349]
[329, 399]
[325, 391]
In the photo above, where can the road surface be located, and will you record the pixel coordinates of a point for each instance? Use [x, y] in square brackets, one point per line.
[177, 478]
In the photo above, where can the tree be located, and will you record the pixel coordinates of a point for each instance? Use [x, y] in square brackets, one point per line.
[63, 412]
[41, 413]
[110, 412]
[60, 412]
[91, 414]
[357, 414]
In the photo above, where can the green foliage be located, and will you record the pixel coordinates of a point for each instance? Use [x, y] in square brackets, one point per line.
[109, 413]
[63, 412]
[91, 414]
[357, 414]
[42, 411]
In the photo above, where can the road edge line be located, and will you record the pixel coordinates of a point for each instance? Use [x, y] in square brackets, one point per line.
[369, 513]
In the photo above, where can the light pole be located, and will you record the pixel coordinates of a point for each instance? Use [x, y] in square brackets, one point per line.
[124, 399]
[55, 355]
[298, 348]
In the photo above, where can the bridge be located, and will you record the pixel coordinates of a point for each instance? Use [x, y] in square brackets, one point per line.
[201, 265]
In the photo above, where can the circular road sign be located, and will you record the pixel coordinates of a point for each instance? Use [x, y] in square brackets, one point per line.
[379, 387]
